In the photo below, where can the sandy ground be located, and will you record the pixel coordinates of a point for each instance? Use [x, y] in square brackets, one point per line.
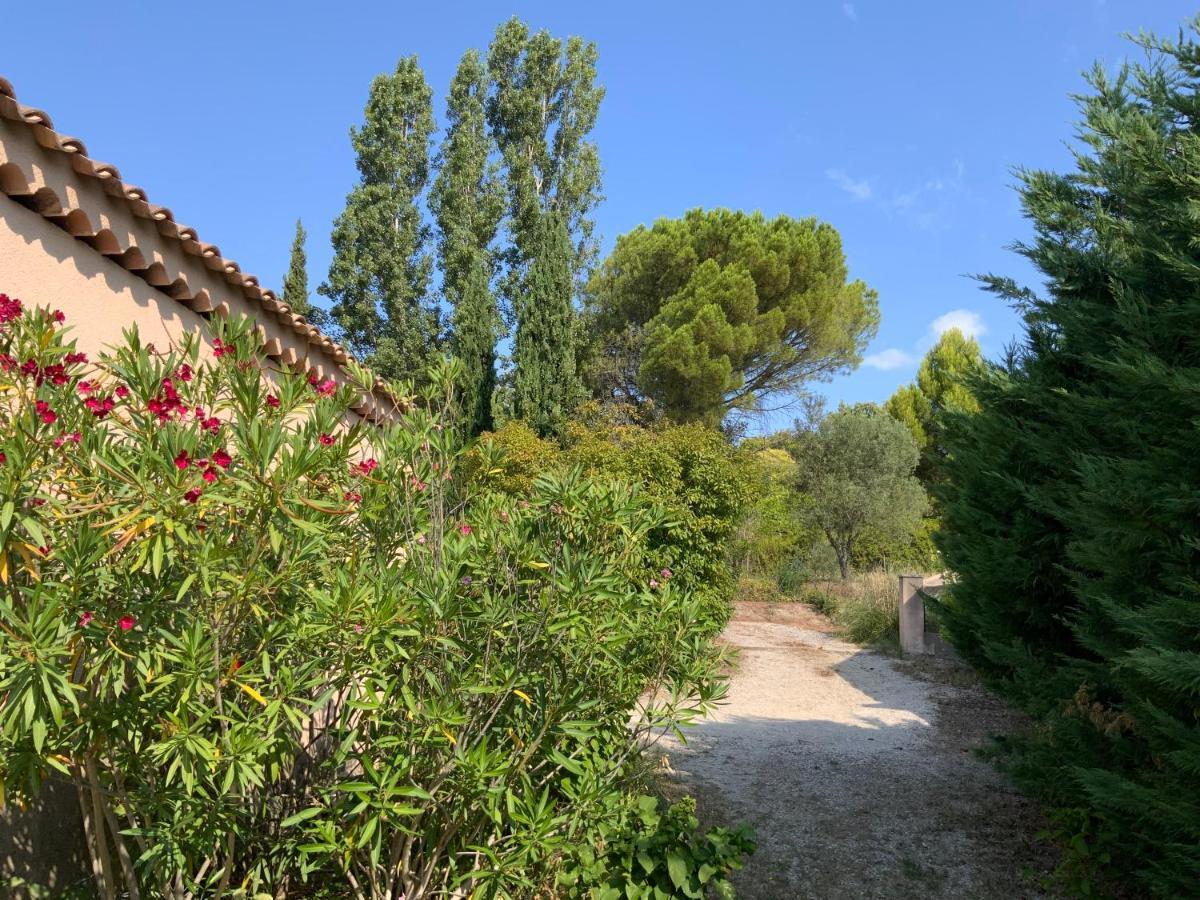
[856, 771]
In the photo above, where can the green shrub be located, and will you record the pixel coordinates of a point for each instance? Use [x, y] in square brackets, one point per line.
[863, 607]
[654, 853]
[266, 646]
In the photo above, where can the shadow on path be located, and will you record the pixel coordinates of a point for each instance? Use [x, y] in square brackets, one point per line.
[856, 772]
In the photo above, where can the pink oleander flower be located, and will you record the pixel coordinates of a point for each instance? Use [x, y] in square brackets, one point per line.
[85, 620]
[10, 308]
[182, 461]
[74, 359]
[666, 574]
[220, 348]
[358, 628]
[192, 496]
[47, 415]
[366, 467]
[221, 458]
[352, 497]
[209, 475]
[327, 439]
[272, 401]
[59, 316]
[127, 622]
[85, 387]
[464, 529]
[184, 372]
[122, 391]
[327, 387]
[653, 584]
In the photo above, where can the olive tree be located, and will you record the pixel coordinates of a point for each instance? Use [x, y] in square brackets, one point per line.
[855, 470]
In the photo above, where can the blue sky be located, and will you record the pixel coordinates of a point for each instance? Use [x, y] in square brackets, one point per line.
[899, 123]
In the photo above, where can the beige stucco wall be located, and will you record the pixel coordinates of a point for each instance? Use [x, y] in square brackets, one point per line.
[44, 266]
[91, 247]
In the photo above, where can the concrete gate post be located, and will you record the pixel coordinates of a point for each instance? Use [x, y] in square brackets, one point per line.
[912, 614]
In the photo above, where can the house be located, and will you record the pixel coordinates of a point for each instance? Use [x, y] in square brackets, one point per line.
[75, 236]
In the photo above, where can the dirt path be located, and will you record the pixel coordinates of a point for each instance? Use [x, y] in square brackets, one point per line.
[856, 771]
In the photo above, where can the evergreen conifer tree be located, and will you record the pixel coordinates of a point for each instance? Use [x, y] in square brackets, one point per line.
[545, 386]
[295, 283]
[1070, 505]
[379, 278]
[542, 107]
[467, 201]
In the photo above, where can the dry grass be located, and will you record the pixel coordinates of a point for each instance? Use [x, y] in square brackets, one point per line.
[863, 606]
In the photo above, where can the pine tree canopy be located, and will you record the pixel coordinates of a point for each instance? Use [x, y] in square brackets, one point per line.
[1070, 503]
[724, 311]
[467, 202]
[379, 278]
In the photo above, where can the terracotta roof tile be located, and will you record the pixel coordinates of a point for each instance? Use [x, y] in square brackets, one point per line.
[76, 222]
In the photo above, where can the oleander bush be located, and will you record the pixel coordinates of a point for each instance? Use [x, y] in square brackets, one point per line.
[276, 651]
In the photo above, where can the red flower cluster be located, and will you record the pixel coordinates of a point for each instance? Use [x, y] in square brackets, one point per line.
[167, 403]
[272, 401]
[10, 308]
[366, 467]
[184, 372]
[327, 440]
[47, 415]
[222, 349]
[99, 406]
[352, 497]
[74, 437]
[127, 622]
[325, 388]
[220, 459]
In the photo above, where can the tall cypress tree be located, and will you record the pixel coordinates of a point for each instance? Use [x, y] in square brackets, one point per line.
[379, 278]
[295, 283]
[467, 201]
[542, 107]
[1071, 511]
[546, 386]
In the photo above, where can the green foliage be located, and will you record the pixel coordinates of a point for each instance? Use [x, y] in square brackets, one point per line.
[1069, 504]
[856, 470]
[701, 483]
[942, 386]
[656, 854]
[771, 531]
[542, 108]
[467, 201]
[522, 457]
[295, 283]
[379, 278]
[545, 386]
[720, 310]
[269, 646]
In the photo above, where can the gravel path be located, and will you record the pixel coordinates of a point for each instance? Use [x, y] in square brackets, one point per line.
[855, 769]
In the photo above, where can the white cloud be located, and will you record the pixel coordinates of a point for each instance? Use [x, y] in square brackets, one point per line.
[969, 323]
[850, 12]
[888, 359]
[859, 189]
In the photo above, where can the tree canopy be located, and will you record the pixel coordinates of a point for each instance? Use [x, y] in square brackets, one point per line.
[1070, 499]
[943, 385]
[541, 111]
[467, 202]
[724, 311]
[295, 283]
[379, 278]
[856, 468]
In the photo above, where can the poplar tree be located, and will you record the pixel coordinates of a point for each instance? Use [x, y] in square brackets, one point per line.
[379, 278]
[295, 283]
[467, 201]
[542, 107]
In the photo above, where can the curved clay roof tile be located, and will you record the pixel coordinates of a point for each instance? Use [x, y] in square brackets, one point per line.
[77, 223]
